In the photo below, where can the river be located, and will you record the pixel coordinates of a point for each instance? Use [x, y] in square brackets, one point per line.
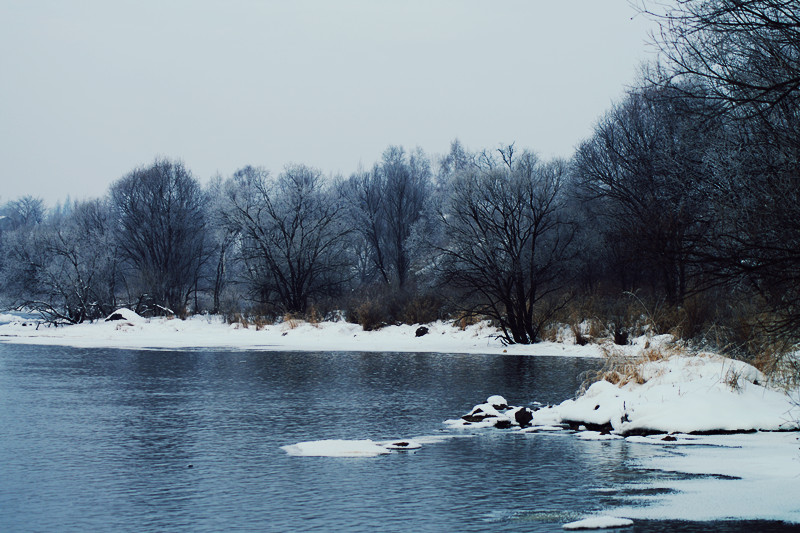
[131, 440]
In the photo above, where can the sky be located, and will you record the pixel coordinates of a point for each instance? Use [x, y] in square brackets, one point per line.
[91, 89]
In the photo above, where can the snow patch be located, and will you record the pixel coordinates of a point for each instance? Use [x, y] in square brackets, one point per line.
[336, 448]
[685, 394]
[598, 522]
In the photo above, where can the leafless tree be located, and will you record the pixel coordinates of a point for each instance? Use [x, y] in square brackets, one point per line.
[292, 234]
[66, 266]
[160, 232]
[506, 240]
[387, 205]
[645, 170]
[745, 55]
[26, 211]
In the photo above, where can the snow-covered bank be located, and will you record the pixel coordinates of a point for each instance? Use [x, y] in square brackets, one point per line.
[135, 332]
[681, 394]
[727, 477]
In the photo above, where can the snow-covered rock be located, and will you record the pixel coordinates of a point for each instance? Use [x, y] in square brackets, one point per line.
[682, 394]
[494, 413]
[123, 313]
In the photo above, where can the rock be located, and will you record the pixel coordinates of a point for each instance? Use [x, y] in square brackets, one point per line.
[523, 416]
[403, 445]
[498, 402]
[503, 423]
[421, 331]
[478, 416]
[124, 313]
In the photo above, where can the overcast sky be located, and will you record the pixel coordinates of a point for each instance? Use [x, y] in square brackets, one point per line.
[91, 89]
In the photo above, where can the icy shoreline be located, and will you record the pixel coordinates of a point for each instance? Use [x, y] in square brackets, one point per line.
[135, 332]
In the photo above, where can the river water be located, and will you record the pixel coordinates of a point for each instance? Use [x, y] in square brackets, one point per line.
[127, 440]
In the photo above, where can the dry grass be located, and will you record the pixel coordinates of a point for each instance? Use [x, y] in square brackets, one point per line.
[621, 368]
[237, 318]
[260, 322]
[314, 316]
[780, 363]
[464, 320]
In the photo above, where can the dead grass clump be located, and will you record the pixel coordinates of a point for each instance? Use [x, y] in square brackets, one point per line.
[314, 316]
[550, 333]
[237, 318]
[779, 361]
[291, 321]
[260, 322]
[621, 368]
[464, 319]
[369, 314]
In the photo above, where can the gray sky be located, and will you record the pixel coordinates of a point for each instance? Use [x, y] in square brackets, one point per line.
[91, 89]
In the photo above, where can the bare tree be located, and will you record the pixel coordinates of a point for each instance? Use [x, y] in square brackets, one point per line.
[507, 240]
[292, 234]
[161, 232]
[645, 170]
[745, 55]
[386, 206]
[65, 267]
[26, 211]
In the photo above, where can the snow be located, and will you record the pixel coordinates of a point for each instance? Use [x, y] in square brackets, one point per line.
[127, 315]
[598, 522]
[7, 317]
[742, 477]
[496, 401]
[213, 332]
[685, 394]
[596, 435]
[359, 448]
[336, 448]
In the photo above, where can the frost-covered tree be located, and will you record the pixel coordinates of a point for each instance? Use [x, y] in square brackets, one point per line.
[160, 230]
[387, 208]
[65, 267]
[26, 211]
[507, 241]
[291, 235]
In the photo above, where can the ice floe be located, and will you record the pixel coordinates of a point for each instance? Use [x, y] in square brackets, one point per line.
[598, 522]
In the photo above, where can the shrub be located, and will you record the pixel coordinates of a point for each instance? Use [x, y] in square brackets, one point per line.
[422, 310]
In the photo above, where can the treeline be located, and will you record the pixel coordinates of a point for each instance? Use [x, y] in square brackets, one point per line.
[681, 213]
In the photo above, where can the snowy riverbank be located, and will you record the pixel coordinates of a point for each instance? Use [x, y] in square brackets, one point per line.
[135, 332]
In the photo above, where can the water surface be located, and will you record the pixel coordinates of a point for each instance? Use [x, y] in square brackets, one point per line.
[126, 440]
